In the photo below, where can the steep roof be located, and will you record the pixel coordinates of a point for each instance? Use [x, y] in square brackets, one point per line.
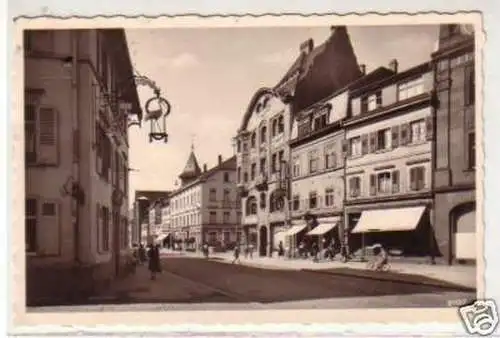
[229, 164]
[191, 169]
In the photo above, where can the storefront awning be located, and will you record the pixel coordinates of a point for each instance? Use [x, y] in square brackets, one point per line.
[323, 228]
[161, 237]
[400, 219]
[295, 229]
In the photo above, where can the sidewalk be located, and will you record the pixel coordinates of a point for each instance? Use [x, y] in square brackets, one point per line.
[460, 275]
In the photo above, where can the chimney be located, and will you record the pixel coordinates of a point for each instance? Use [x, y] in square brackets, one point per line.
[307, 46]
[362, 68]
[393, 65]
[205, 168]
[220, 159]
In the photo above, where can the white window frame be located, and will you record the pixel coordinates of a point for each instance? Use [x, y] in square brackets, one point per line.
[418, 134]
[329, 197]
[355, 145]
[410, 88]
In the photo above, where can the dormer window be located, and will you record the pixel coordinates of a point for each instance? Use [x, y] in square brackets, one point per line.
[320, 122]
[374, 101]
[304, 128]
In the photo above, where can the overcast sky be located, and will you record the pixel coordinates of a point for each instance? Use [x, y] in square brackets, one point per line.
[209, 76]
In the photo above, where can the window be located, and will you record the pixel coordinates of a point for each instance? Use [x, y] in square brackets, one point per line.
[384, 184]
[329, 197]
[417, 130]
[251, 206]
[213, 217]
[238, 146]
[471, 147]
[304, 128]
[296, 167]
[263, 168]
[104, 229]
[320, 122]
[245, 177]
[226, 217]
[31, 225]
[238, 173]
[470, 85]
[275, 203]
[355, 186]
[253, 140]
[313, 162]
[253, 169]
[313, 200]
[355, 146]
[274, 162]
[417, 178]
[103, 153]
[395, 181]
[274, 128]
[330, 157]
[39, 41]
[226, 177]
[41, 135]
[364, 104]
[262, 200]
[374, 101]
[281, 125]
[212, 197]
[296, 202]
[263, 135]
[245, 146]
[238, 217]
[410, 89]
[226, 236]
[384, 138]
[227, 195]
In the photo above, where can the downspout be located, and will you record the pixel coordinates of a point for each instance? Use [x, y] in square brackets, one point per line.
[76, 125]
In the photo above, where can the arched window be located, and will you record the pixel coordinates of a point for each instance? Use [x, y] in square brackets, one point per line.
[253, 140]
[263, 134]
[251, 206]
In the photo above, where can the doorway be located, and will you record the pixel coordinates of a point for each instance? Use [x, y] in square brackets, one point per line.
[263, 241]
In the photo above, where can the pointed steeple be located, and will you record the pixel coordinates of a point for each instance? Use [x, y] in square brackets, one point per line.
[191, 169]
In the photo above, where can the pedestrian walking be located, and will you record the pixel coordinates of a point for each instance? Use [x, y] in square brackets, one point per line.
[247, 250]
[281, 250]
[142, 254]
[314, 251]
[154, 261]
[236, 254]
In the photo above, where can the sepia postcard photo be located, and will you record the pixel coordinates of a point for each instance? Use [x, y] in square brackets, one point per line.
[249, 167]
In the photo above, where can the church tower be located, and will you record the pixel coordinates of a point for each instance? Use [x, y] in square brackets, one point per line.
[191, 170]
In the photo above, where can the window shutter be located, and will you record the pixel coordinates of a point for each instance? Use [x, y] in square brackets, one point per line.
[48, 232]
[352, 188]
[395, 181]
[413, 179]
[421, 178]
[373, 184]
[395, 136]
[47, 136]
[364, 144]
[405, 134]
[429, 128]
[346, 148]
[373, 142]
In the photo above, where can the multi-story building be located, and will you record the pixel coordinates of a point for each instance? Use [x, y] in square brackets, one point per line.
[144, 217]
[76, 158]
[455, 146]
[205, 208]
[388, 169]
[263, 154]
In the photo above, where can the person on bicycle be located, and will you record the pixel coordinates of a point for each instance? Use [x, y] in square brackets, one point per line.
[382, 258]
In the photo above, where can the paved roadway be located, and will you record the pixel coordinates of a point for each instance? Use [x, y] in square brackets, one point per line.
[195, 283]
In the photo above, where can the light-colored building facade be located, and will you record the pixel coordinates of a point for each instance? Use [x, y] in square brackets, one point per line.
[317, 170]
[76, 154]
[455, 150]
[388, 151]
[263, 153]
[205, 208]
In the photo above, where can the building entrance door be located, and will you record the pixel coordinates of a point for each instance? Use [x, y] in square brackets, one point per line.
[263, 241]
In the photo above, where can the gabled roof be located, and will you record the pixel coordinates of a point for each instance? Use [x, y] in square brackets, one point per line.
[191, 169]
[229, 165]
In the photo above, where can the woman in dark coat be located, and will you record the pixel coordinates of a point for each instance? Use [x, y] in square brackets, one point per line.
[154, 261]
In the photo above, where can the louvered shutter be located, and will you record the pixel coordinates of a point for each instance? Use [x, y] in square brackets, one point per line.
[395, 181]
[405, 134]
[346, 148]
[47, 140]
[395, 137]
[364, 144]
[373, 185]
[373, 142]
[48, 232]
[421, 178]
[429, 128]
[413, 179]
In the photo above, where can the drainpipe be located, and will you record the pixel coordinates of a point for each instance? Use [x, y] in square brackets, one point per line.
[76, 128]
